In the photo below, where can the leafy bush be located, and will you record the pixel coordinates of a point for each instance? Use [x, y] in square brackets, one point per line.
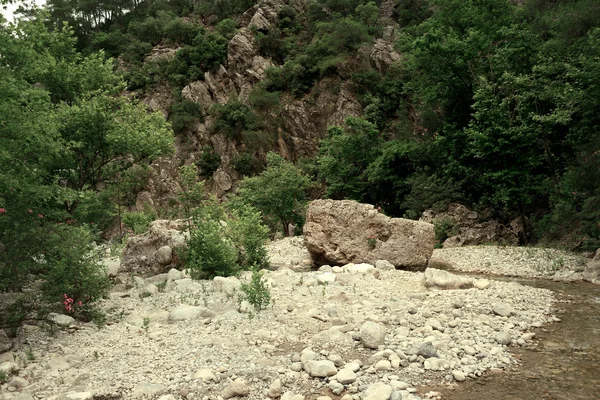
[72, 268]
[257, 293]
[138, 221]
[184, 115]
[263, 100]
[206, 53]
[246, 164]
[210, 252]
[249, 236]
[208, 162]
[181, 32]
[443, 229]
[233, 118]
[227, 28]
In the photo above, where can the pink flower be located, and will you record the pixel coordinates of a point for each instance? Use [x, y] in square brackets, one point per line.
[79, 303]
[2, 210]
[30, 211]
[40, 215]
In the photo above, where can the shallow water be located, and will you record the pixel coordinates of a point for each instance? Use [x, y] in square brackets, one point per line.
[564, 366]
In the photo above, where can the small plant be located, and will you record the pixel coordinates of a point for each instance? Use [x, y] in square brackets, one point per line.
[257, 293]
[3, 377]
[372, 240]
[161, 286]
[29, 355]
[96, 355]
[146, 324]
[443, 229]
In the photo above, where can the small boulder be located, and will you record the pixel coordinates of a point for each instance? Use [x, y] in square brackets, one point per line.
[18, 382]
[346, 376]
[427, 350]
[503, 338]
[164, 255]
[321, 369]
[238, 388]
[441, 279]
[384, 265]
[205, 374]
[61, 320]
[372, 334]
[377, 391]
[275, 389]
[503, 309]
[326, 278]
[185, 312]
[228, 285]
[459, 376]
[146, 389]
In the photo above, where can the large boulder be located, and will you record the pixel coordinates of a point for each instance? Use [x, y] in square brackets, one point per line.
[339, 232]
[151, 253]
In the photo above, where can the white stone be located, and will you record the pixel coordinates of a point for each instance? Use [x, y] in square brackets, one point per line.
[459, 376]
[321, 369]
[377, 391]
[205, 374]
[384, 265]
[346, 376]
[185, 312]
[61, 320]
[372, 334]
[326, 278]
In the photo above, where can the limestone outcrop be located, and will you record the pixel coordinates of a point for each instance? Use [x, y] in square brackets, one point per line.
[345, 231]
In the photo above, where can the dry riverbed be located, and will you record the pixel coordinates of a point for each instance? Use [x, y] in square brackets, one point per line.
[352, 333]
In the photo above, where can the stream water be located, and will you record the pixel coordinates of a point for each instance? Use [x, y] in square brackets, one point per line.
[564, 366]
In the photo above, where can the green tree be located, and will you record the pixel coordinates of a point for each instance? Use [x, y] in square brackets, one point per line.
[279, 192]
[344, 157]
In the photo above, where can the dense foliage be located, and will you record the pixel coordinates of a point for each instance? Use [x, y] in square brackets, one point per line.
[69, 141]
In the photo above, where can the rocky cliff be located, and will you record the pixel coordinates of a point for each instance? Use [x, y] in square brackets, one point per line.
[298, 123]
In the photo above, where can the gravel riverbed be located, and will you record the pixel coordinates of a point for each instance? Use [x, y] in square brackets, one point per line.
[352, 333]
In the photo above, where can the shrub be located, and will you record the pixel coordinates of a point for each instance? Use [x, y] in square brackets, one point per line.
[210, 252]
[181, 32]
[249, 236]
[263, 100]
[71, 268]
[246, 164]
[208, 162]
[257, 293]
[184, 115]
[443, 229]
[138, 221]
[226, 28]
[233, 118]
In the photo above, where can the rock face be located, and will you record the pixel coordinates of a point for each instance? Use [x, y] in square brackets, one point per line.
[339, 232]
[151, 253]
[469, 230]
